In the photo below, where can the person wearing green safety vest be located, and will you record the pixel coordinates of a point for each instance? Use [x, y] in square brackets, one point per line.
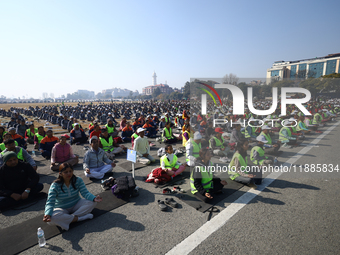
[202, 181]
[301, 126]
[272, 147]
[22, 154]
[167, 136]
[219, 146]
[170, 164]
[39, 136]
[108, 144]
[317, 118]
[257, 153]
[192, 148]
[111, 128]
[250, 131]
[30, 133]
[239, 170]
[6, 137]
[285, 135]
[167, 118]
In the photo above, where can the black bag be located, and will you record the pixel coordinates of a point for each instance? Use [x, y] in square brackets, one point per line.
[125, 187]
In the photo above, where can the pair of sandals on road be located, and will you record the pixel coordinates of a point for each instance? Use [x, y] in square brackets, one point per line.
[168, 201]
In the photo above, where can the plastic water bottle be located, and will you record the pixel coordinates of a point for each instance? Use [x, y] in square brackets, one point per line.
[275, 160]
[41, 237]
[33, 153]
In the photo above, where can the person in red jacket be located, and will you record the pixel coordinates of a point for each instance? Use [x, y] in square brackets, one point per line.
[96, 131]
[20, 140]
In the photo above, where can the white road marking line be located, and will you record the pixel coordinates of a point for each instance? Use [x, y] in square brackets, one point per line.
[208, 228]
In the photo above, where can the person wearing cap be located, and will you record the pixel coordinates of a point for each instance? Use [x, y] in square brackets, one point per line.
[22, 154]
[166, 117]
[47, 143]
[162, 123]
[18, 181]
[30, 133]
[167, 136]
[39, 136]
[285, 135]
[257, 153]
[238, 167]
[193, 146]
[64, 205]
[95, 163]
[62, 152]
[20, 140]
[218, 145]
[109, 145]
[271, 146]
[142, 148]
[77, 135]
[170, 164]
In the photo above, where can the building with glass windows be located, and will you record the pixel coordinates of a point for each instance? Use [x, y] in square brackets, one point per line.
[305, 68]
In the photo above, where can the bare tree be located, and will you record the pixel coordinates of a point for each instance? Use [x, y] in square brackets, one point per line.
[230, 79]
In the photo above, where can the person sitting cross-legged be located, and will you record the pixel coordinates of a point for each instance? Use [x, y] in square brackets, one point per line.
[96, 163]
[77, 135]
[170, 164]
[64, 205]
[47, 143]
[108, 144]
[18, 181]
[62, 152]
[142, 148]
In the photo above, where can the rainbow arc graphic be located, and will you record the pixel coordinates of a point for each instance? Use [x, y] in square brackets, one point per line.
[209, 93]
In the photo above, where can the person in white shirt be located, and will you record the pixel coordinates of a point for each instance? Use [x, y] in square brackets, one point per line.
[142, 148]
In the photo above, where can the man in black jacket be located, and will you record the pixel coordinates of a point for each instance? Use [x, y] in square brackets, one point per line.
[18, 181]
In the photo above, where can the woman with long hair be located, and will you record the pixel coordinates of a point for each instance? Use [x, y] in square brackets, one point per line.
[64, 205]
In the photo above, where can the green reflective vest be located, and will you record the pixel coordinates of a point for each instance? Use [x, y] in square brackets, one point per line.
[196, 149]
[282, 138]
[298, 128]
[134, 135]
[3, 147]
[107, 146]
[315, 121]
[268, 138]
[167, 163]
[30, 134]
[232, 171]
[19, 155]
[168, 134]
[40, 137]
[261, 154]
[217, 142]
[246, 134]
[110, 129]
[207, 178]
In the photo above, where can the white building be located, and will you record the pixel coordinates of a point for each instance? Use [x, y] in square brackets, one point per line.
[313, 67]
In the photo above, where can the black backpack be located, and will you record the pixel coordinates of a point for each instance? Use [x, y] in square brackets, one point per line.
[125, 187]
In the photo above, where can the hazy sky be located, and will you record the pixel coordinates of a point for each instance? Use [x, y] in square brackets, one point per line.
[62, 46]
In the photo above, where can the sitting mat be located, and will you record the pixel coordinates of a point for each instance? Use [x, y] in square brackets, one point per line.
[199, 205]
[22, 236]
